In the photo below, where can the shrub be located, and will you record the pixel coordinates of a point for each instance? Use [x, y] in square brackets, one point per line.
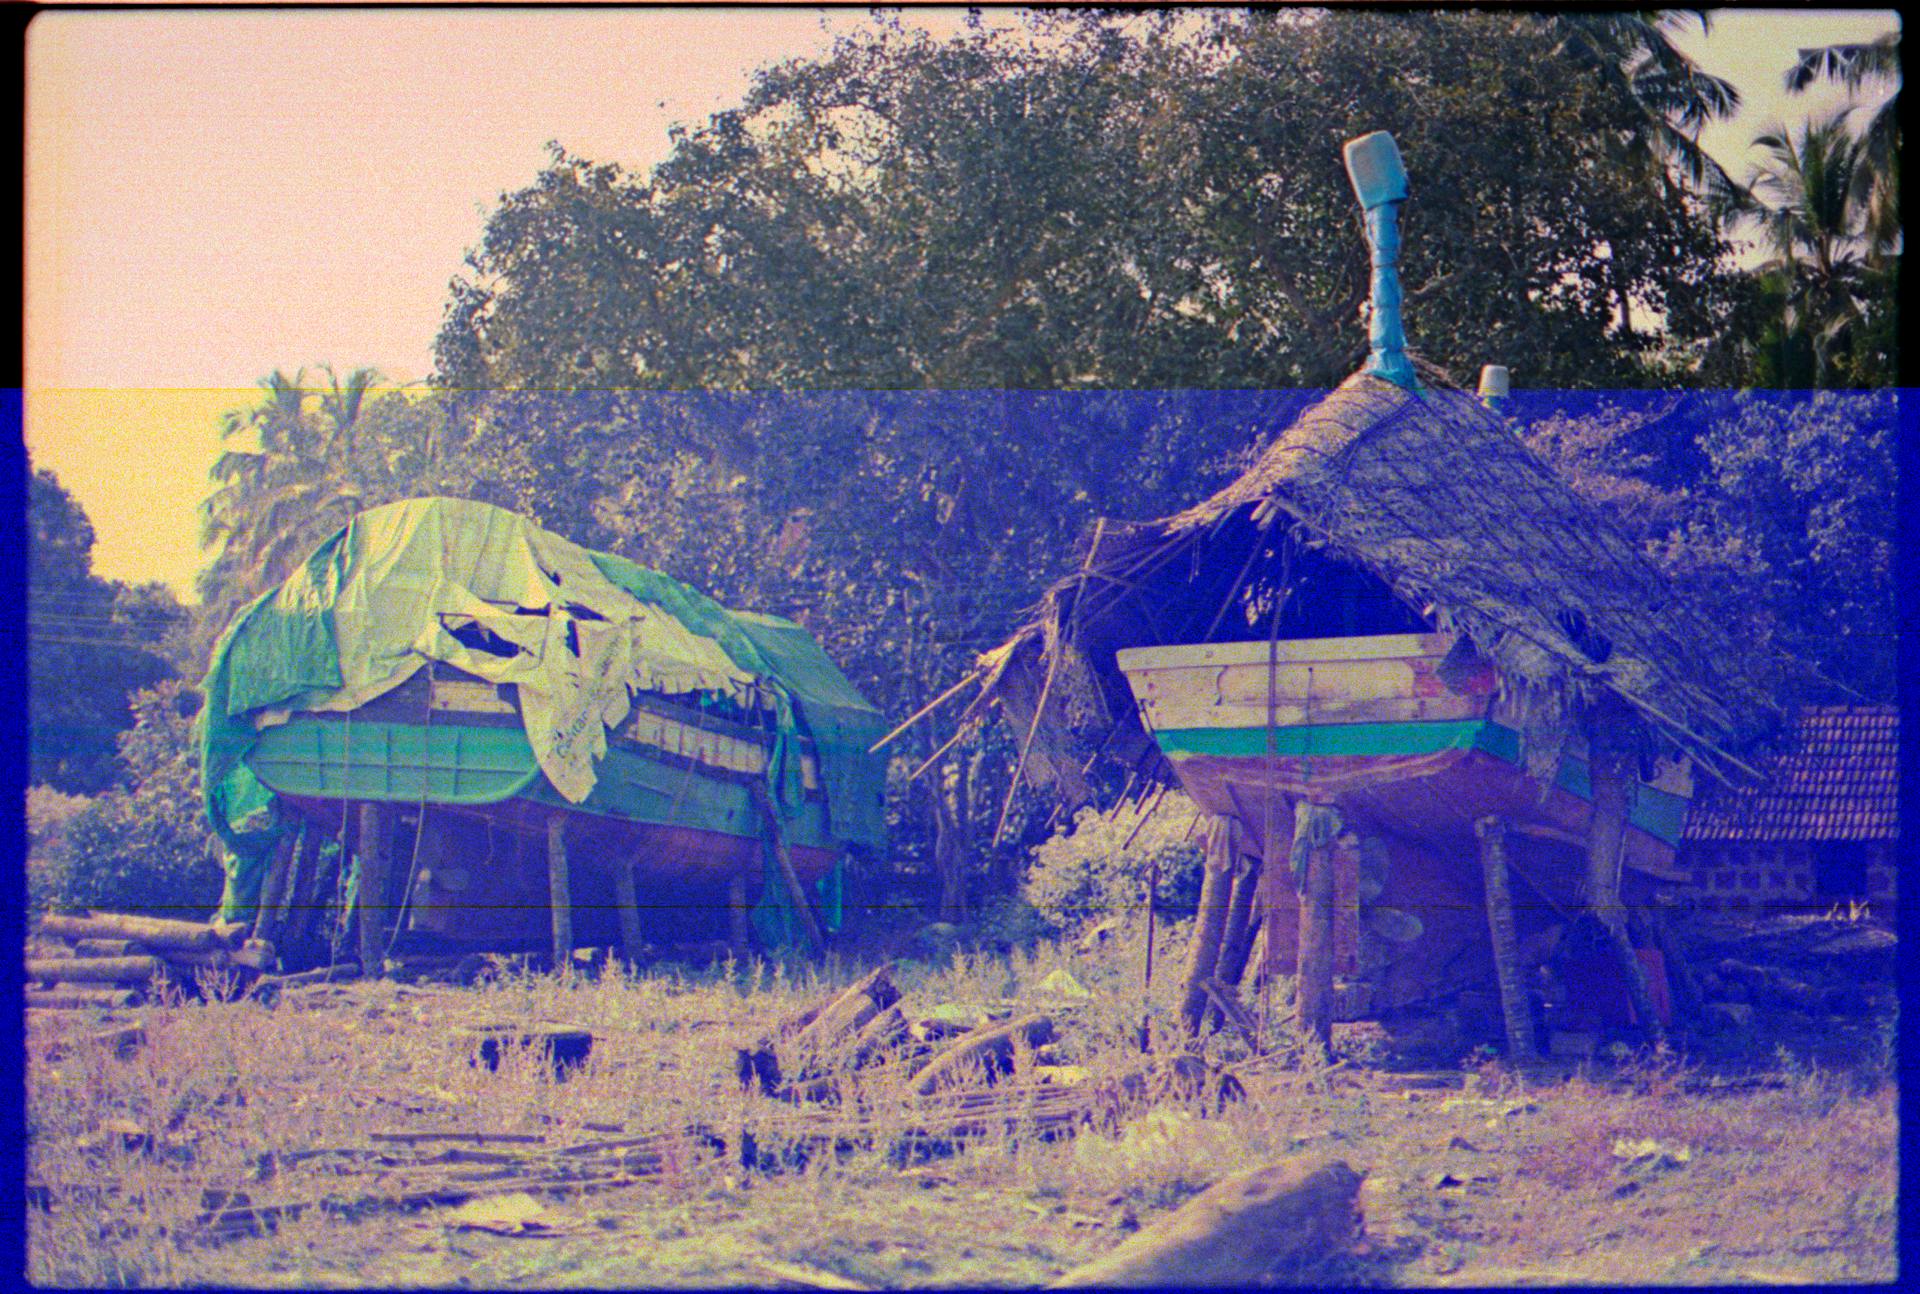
[143, 845]
[49, 813]
[1102, 865]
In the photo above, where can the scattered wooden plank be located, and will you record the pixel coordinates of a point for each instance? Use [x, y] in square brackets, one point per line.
[844, 1016]
[564, 1045]
[992, 1047]
[1254, 1228]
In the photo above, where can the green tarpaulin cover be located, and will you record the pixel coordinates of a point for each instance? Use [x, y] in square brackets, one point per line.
[578, 632]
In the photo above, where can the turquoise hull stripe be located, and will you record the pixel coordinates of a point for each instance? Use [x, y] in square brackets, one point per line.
[452, 764]
[1658, 813]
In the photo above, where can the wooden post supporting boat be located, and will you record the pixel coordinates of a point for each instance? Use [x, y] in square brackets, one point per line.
[1203, 954]
[626, 896]
[1315, 965]
[560, 892]
[273, 889]
[737, 929]
[371, 894]
[1236, 941]
[783, 859]
[1506, 957]
[1243, 921]
[1612, 767]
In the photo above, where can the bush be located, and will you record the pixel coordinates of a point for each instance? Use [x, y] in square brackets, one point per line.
[1091, 871]
[49, 813]
[143, 846]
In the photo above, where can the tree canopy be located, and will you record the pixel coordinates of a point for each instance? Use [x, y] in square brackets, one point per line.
[91, 644]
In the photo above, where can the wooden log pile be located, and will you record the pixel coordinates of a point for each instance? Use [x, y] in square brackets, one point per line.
[114, 959]
[859, 1069]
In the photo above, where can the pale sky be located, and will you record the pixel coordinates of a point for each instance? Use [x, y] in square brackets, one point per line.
[214, 194]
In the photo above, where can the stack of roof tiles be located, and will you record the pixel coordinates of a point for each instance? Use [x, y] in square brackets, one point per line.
[1836, 778]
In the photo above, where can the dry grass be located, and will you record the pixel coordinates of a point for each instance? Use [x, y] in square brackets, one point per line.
[1494, 1180]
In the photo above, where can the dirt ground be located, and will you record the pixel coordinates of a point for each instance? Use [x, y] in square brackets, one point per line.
[1774, 1162]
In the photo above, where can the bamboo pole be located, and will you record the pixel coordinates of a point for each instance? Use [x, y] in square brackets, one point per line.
[1315, 964]
[627, 898]
[1203, 953]
[1506, 956]
[370, 896]
[560, 892]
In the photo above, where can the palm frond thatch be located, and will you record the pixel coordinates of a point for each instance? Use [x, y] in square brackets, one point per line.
[1437, 499]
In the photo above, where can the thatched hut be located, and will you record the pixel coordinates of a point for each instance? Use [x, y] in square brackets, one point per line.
[1403, 658]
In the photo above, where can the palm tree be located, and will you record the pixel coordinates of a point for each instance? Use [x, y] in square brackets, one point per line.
[1874, 64]
[272, 503]
[1633, 52]
[1811, 207]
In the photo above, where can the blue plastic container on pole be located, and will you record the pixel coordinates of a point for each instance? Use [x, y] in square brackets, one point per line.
[1380, 182]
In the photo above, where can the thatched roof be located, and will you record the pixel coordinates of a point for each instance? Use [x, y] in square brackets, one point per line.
[1439, 500]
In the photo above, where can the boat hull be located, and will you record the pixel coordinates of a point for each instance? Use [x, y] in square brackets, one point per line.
[1412, 751]
[678, 798]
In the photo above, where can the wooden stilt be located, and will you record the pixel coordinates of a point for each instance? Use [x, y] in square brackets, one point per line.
[560, 892]
[1315, 966]
[626, 895]
[370, 895]
[1612, 770]
[1506, 956]
[1688, 1002]
[273, 888]
[738, 928]
[304, 856]
[1236, 941]
[783, 858]
[1243, 921]
[1203, 954]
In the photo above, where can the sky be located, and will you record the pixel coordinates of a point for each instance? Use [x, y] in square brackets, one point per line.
[211, 195]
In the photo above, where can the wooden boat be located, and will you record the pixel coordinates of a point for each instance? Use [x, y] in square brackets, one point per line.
[508, 731]
[679, 798]
[1411, 755]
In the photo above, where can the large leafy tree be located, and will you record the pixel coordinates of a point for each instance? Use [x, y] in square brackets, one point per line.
[91, 644]
[1093, 204]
